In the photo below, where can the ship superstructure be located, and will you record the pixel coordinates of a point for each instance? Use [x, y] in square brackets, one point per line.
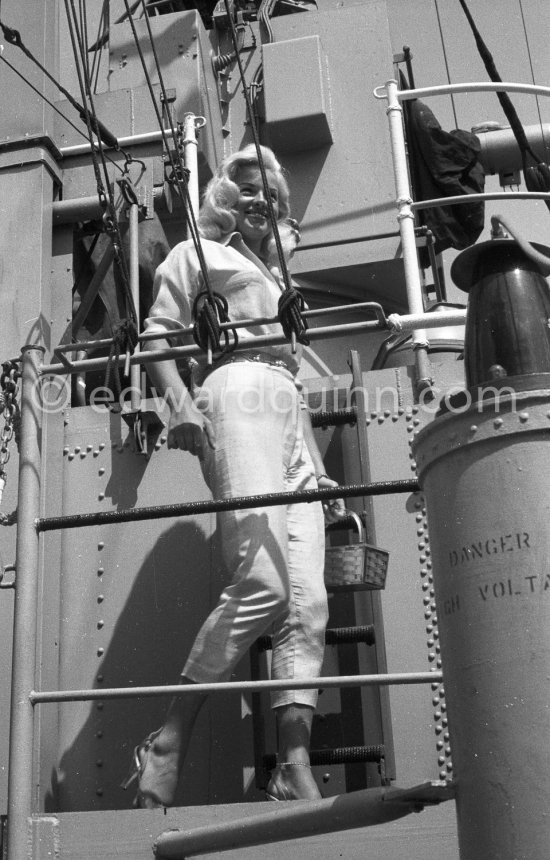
[114, 559]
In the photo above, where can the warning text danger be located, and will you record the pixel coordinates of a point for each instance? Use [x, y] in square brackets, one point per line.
[486, 548]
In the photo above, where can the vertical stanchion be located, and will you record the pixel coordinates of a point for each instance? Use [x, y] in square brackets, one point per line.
[20, 798]
[190, 155]
[406, 228]
[135, 370]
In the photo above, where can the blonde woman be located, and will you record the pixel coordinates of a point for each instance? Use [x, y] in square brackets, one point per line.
[245, 419]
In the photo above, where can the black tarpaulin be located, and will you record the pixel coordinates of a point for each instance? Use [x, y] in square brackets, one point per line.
[445, 164]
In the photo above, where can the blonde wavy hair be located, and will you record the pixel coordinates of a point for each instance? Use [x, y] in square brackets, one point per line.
[222, 192]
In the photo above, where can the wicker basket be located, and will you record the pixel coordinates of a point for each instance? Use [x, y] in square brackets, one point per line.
[357, 566]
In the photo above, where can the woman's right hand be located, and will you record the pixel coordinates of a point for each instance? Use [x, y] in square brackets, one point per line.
[190, 430]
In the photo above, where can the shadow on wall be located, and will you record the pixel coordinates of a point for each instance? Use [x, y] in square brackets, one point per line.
[150, 642]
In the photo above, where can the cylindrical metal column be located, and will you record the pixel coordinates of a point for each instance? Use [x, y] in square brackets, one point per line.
[190, 154]
[135, 369]
[20, 786]
[406, 228]
[484, 471]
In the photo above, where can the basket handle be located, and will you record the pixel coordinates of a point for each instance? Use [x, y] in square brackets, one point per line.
[358, 524]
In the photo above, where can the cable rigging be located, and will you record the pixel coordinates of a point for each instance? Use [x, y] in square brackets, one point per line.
[537, 177]
[125, 332]
[210, 309]
[102, 29]
[52, 105]
[291, 302]
[13, 37]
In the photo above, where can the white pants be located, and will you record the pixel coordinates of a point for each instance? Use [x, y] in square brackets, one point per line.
[275, 555]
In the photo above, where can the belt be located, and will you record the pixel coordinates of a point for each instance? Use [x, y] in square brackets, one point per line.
[260, 357]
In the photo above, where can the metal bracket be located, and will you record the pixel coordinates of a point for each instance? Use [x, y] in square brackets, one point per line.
[10, 581]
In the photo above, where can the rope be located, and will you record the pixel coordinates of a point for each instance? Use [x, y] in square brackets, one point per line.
[537, 177]
[291, 302]
[64, 92]
[445, 59]
[124, 335]
[97, 47]
[542, 261]
[208, 312]
[110, 219]
[84, 31]
[13, 37]
[208, 329]
[291, 305]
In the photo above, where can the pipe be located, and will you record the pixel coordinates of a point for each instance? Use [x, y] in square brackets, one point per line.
[246, 323]
[190, 147]
[248, 343]
[284, 821]
[157, 512]
[123, 142]
[448, 89]
[408, 237]
[135, 370]
[354, 239]
[408, 322]
[76, 209]
[428, 321]
[482, 197]
[20, 785]
[405, 216]
[390, 679]
[542, 260]
[500, 152]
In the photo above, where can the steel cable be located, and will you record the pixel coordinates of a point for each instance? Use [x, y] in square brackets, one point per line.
[13, 37]
[125, 333]
[291, 302]
[537, 177]
[210, 326]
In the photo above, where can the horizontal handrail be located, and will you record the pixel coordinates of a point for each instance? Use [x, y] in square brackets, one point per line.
[474, 198]
[389, 679]
[148, 357]
[465, 87]
[410, 322]
[123, 142]
[246, 323]
[428, 321]
[156, 512]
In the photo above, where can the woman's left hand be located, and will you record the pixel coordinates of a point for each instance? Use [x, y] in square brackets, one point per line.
[334, 509]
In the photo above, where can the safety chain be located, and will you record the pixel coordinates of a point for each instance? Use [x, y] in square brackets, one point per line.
[9, 389]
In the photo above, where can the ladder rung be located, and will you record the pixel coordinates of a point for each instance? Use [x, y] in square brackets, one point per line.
[335, 418]
[333, 636]
[340, 755]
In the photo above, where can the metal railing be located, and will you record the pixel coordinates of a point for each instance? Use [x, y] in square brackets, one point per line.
[406, 206]
[30, 525]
